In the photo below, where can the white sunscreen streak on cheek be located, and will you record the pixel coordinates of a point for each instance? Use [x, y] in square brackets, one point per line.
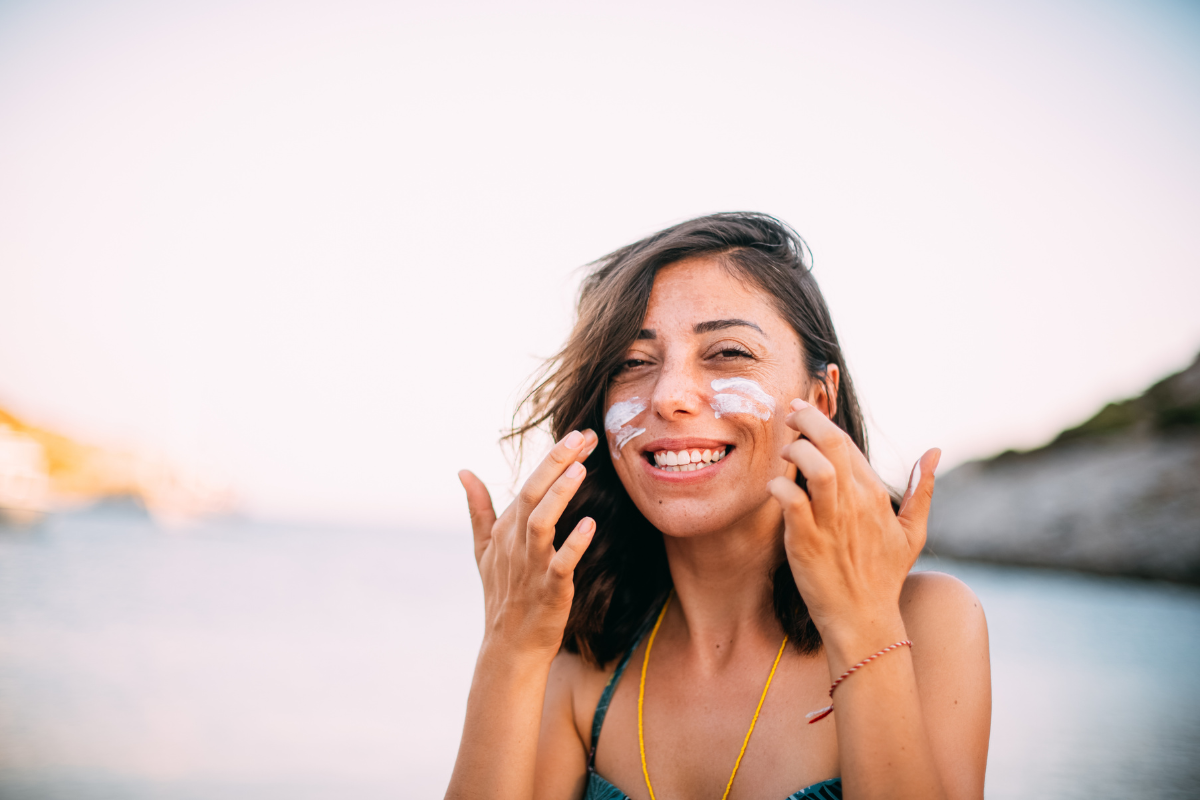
[616, 422]
[741, 396]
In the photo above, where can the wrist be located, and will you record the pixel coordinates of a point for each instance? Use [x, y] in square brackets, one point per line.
[502, 656]
[849, 641]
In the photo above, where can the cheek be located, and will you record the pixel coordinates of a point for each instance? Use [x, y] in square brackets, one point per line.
[741, 396]
[620, 424]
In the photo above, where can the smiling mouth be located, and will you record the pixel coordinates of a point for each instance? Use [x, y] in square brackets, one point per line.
[686, 460]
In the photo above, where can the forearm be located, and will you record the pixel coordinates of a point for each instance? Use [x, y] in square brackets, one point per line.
[884, 747]
[498, 752]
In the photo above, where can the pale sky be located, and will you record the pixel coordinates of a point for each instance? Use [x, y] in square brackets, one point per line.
[319, 247]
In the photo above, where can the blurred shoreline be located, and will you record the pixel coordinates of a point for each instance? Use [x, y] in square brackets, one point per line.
[42, 472]
[1117, 495]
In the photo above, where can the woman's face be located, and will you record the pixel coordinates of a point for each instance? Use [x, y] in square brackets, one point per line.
[695, 414]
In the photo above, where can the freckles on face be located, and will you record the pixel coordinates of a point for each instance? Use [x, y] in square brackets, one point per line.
[695, 420]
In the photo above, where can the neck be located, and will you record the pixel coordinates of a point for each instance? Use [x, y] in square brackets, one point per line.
[723, 584]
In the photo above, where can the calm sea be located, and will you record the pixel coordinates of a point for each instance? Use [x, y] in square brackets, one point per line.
[253, 661]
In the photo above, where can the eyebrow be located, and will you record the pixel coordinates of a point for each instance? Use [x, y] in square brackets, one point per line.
[721, 324]
[707, 327]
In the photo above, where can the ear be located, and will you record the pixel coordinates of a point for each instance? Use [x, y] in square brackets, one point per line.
[824, 394]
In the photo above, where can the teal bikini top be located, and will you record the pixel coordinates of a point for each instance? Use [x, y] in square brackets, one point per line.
[600, 789]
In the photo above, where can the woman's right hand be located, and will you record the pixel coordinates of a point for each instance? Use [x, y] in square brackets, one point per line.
[528, 585]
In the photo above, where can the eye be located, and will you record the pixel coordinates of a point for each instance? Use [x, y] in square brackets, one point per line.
[730, 352]
[632, 363]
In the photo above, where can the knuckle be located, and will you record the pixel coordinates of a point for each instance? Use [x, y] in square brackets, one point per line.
[823, 475]
[836, 440]
[560, 455]
[539, 524]
[528, 497]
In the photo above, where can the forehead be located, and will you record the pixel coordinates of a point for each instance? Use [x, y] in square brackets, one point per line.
[703, 288]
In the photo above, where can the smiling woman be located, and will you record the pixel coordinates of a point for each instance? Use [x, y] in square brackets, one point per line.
[730, 510]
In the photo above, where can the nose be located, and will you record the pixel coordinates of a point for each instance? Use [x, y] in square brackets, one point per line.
[679, 392]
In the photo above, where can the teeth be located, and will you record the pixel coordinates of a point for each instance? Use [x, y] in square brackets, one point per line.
[687, 460]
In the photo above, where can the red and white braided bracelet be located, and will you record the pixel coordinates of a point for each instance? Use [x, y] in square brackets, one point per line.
[815, 716]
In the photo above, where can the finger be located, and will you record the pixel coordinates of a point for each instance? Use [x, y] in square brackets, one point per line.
[562, 566]
[820, 475]
[483, 515]
[545, 516]
[562, 455]
[797, 508]
[832, 441]
[914, 508]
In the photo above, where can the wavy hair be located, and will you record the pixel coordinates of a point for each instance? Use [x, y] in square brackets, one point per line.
[623, 577]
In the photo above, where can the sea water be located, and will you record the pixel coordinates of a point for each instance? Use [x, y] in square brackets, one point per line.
[246, 660]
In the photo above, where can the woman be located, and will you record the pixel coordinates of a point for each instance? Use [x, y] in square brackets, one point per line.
[721, 546]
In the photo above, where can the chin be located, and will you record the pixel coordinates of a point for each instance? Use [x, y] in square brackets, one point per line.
[688, 518]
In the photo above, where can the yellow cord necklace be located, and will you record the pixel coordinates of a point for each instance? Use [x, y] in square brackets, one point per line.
[642, 698]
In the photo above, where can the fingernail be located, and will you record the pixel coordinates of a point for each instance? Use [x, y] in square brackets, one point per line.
[575, 470]
[937, 459]
[587, 453]
[574, 439]
[799, 405]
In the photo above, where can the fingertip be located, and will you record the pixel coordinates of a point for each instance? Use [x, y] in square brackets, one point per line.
[937, 459]
[799, 405]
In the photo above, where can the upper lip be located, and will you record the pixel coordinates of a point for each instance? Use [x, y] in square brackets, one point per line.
[685, 443]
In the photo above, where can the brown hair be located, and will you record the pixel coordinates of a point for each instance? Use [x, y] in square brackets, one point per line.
[623, 577]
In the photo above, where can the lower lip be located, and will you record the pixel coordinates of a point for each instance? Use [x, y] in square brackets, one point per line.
[694, 476]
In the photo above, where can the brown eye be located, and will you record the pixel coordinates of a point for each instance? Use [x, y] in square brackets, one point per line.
[734, 352]
[630, 364]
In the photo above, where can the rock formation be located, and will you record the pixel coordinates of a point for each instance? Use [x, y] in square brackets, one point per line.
[1119, 494]
[42, 471]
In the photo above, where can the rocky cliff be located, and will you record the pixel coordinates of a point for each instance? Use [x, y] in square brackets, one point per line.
[1119, 494]
[76, 475]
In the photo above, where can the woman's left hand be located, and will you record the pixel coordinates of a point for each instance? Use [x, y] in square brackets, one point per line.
[848, 551]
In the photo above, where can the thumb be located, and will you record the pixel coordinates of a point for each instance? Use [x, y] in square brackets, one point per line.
[914, 508]
[483, 515]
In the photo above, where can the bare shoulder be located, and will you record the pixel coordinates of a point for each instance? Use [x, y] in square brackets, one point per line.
[564, 738]
[577, 685]
[942, 605]
[945, 622]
